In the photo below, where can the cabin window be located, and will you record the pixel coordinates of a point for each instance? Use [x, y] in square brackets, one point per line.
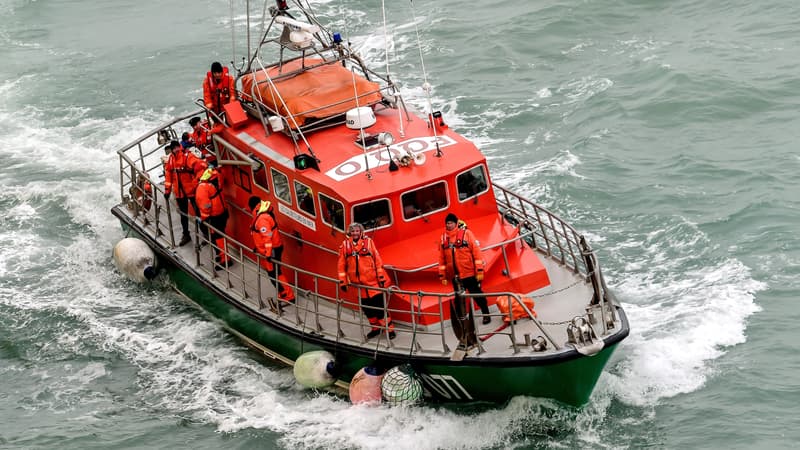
[424, 200]
[281, 184]
[374, 214]
[241, 178]
[260, 176]
[305, 198]
[471, 183]
[332, 212]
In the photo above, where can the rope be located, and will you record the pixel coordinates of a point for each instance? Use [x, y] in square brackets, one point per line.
[425, 85]
[355, 94]
[388, 77]
[385, 36]
[233, 33]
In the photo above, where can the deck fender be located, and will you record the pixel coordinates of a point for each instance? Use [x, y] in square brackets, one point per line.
[315, 369]
[135, 259]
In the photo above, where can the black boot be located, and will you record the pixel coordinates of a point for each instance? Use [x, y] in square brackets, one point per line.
[185, 239]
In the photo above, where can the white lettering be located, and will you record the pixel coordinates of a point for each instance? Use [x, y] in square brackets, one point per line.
[297, 217]
[379, 157]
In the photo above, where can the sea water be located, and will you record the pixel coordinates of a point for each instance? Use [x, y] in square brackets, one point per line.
[663, 130]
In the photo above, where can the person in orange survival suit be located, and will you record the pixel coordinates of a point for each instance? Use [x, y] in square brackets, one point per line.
[360, 262]
[213, 212]
[200, 137]
[219, 88]
[181, 173]
[267, 241]
[460, 260]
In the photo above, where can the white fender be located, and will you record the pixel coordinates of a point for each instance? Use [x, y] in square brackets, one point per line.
[315, 369]
[135, 259]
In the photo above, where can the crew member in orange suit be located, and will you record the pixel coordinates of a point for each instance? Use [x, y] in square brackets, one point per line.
[213, 213]
[460, 260]
[219, 88]
[200, 137]
[181, 172]
[360, 263]
[267, 241]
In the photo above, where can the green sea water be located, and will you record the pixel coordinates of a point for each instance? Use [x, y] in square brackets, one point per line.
[663, 130]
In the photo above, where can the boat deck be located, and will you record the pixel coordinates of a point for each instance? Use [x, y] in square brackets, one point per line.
[243, 282]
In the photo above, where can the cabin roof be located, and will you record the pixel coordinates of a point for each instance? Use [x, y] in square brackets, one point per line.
[325, 89]
[343, 164]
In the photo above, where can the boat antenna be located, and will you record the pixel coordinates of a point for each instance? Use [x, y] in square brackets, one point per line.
[233, 36]
[247, 8]
[361, 134]
[388, 77]
[425, 85]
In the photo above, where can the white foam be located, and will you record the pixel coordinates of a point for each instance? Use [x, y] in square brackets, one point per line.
[683, 314]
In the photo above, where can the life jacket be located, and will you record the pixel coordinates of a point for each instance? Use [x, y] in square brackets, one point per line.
[142, 192]
[181, 173]
[361, 250]
[217, 94]
[264, 230]
[459, 256]
[459, 241]
[517, 311]
[200, 136]
[360, 263]
[209, 199]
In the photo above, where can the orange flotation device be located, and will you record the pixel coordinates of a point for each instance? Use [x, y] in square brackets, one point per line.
[516, 309]
[142, 192]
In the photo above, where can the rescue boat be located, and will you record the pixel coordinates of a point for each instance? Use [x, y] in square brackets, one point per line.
[329, 141]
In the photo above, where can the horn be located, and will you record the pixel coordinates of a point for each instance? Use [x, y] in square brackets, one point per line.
[419, 158]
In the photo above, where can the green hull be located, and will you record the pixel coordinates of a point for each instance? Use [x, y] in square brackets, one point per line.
[568, 377]
[570, 381]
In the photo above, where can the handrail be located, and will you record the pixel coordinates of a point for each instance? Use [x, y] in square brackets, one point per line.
[553, 236]
[538, 226]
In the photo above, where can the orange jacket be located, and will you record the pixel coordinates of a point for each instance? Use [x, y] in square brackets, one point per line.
[360, 262]
[461, 247]
[217, 94]
[209, 199]
[181, 173]
[200, 135]
[265, 233]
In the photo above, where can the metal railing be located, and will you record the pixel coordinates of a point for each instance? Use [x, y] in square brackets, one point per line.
[557, 239]
[244, 281]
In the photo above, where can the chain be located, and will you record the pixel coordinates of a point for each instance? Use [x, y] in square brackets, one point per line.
[558, 290]
[557, 323]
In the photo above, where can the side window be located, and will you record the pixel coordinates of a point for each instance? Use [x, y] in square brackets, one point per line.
[374, 214]
[242, 179]
[424, 200]
[260, 176]
[281, 184]
[305, 198]
[471, 183]
[332, 212]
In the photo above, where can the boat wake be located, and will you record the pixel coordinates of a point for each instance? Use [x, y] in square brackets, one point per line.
[96, 340]
[690, 304]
